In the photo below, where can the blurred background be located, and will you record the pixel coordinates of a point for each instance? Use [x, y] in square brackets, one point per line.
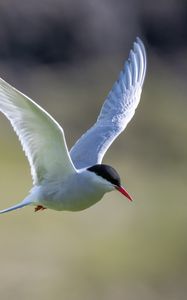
[66, 55]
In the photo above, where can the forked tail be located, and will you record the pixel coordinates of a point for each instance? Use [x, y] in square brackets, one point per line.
[19, 205]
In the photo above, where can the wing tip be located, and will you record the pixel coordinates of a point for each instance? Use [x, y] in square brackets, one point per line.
[134, 68]
[138, 61]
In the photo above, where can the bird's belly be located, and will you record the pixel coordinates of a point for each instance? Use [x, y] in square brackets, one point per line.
[70, 200]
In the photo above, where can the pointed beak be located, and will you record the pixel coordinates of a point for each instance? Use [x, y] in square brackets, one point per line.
[124, 192]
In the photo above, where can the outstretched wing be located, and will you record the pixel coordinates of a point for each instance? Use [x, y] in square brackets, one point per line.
[117, 110]
[41, 136]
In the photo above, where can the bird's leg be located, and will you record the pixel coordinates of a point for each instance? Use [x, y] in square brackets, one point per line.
[39, 207]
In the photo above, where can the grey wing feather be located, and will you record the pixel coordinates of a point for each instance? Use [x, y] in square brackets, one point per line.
[117, 110]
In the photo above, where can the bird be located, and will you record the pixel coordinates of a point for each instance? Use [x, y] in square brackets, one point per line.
[74, 180]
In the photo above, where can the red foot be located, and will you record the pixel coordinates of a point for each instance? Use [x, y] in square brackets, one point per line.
[39, 207]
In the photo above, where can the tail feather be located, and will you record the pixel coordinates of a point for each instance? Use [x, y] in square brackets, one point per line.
[19, 205]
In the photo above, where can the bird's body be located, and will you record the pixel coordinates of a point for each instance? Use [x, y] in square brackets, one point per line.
[59, 195]
[74, 180]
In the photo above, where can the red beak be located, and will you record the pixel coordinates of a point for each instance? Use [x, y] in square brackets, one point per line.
[124, 192]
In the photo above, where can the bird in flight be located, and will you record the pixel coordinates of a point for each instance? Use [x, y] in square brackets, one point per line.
[73, 180]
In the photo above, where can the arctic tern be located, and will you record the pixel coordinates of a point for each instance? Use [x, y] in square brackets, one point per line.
[74, 180]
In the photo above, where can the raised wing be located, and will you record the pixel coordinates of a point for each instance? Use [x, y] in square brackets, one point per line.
[116, 112]
[41, 136]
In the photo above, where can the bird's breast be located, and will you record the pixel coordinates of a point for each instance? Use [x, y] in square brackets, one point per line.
[75, 194]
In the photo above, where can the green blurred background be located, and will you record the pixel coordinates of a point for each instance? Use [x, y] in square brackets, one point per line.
[66, 56]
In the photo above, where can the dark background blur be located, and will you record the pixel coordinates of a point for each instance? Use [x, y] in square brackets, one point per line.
[65, 32]
[66, 55]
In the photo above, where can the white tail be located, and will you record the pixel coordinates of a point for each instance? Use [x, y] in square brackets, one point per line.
[19, 205]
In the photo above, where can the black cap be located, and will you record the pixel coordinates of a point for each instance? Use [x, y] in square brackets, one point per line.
[106, 172]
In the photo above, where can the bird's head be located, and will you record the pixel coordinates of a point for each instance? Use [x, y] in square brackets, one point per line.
[110, 175]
